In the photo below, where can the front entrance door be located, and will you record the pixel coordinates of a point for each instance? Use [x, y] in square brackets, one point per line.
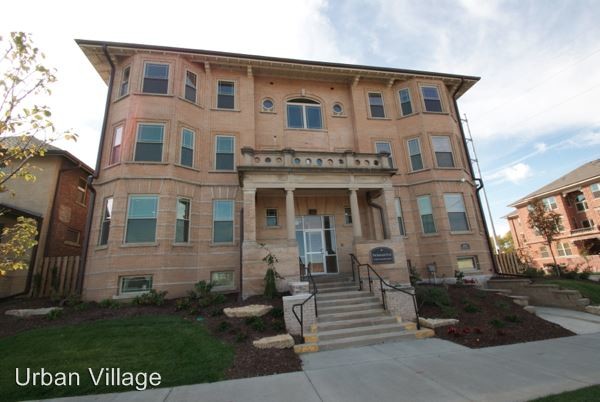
[316, 243]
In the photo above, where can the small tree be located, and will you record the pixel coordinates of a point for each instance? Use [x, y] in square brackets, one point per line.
[546, 224]
[25, 131]
[271, 275]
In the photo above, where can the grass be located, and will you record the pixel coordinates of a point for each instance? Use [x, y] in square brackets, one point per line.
[587, 394]
[182, 352]
[588, 289]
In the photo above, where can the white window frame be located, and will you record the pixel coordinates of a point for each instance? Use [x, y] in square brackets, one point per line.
[421, 214]
[125, 81]
[304, 113]
[588, 222]
[77, 242]
[195, 87]
[104, 219]
[473, 258]
[81, 191]
[182, 146]
[583, 203]
[400, 216]
[391, 155]
[550, 203]
[137, 133]
[595, 190]
[233, 152]
[122, 278]
[439, 93]
[464, 211]
[382, 104]
[224, 287]
[168, 77]
[564, 249]
[410, 101]
[234, 95]
[267, 216]
[418, 140]
[232, 222]
[189, 219]
[129, 210]
[117, 133]
[544, 253]
[347, 216]
[435, 152]
[265, 109]
[341, 112]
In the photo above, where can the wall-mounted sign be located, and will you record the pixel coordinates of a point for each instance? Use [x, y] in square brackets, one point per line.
[382, 255]
[465, 246]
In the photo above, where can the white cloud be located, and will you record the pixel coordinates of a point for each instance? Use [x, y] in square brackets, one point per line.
[540, 147]
[514, 174]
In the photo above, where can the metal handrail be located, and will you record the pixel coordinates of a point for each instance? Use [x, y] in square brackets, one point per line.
[301, 305]
[356, 263]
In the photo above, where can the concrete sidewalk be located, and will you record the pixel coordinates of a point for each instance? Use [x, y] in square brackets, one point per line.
[576, 321]
[415, 370]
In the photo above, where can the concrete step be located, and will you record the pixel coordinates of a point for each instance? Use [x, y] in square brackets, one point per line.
[345, 288]
[329, 317]
[351, 294]
[358, 322]
[584, 301]
[332, 278]
[349, 308]
[365, 340]
[359, 331]
[504, 291]
[346, 302]
[520, 300]
[329, 285]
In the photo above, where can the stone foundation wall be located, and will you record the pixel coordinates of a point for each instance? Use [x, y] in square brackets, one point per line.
[541, 295]
[291, 323]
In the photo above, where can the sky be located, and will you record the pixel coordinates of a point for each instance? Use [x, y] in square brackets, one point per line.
[533, 116]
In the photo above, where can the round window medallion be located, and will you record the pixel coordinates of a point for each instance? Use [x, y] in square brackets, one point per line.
[337, 108]
[267, 105]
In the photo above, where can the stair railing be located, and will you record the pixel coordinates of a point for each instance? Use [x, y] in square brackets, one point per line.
[313, 295]
[356, 265]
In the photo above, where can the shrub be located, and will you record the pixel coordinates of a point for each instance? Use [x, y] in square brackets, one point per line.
[223, 326]
[570, 274]
[471, 308]
[183, 304]
[460, 277]
[532, 272]
[585, 274]
[270, 284]
[498, 323]
[433, 296]
[203, 293]
[448, 312]
[512, 318]
[256, 323]
[73, 300]
[82, 306]
[414, 275]
[54, 314]
[276, 312]
[109, 303]
[151, 298]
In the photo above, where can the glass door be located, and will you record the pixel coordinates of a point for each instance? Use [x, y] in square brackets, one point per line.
[314, 250]
[316, 243]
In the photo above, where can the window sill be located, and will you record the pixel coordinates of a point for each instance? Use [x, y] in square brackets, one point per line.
[448, 168]
[343, 116]
[127, 245]
[222, 171]
[267, 111]
[81, 204]
[102, 247]
[130, 295]
[430, 234]
[120, 98]
[218, 109]
[213, 244]
[153, 94]
[405, 116]
[145, 163]
[462, 232]
[182, 245]
[272, 227]
[72, 244]
[112, 166]
[318, 130]
[187, 167]
[419, 171]
[440, 113]
[190, 102]
[378, 118]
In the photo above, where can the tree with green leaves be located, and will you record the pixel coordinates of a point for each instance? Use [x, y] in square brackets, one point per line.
[26, 128]
[546, 223]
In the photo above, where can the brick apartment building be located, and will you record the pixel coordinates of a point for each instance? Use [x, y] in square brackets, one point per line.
[58, 200]
[576, 197]
[207, 155]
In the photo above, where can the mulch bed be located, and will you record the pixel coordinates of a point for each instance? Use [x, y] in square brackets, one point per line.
[488, 319]
[248, 362]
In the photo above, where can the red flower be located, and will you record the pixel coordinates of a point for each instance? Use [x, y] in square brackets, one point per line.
[466, 331]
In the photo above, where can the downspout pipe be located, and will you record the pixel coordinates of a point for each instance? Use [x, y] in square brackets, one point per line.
[386, 233]
[479, 181]
[94, 175]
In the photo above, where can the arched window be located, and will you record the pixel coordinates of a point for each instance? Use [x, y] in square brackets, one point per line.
[304, 113]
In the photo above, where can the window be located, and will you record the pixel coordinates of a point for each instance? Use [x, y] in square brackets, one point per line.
[124, 88]
[376, 104]
[223, 221]
[187, 147]
[190, 86]
[581, 203]
[426, 212]
[564, 249]
[399, 217]
[550, 203]
[267, 105]
[347, 216]
[272, 219]
[338, 109]
[141, 219]
[156, 78]
[559, 225]
[405, 103]
[457, 214]
[72, 236]
[115, 150]
[81, 190]
[105, 223]
[182, 226]
[222, 280]
[587, 223]
[304, 113]
[148, 147]
[224, 152]
[385, 147]
[544, 252]
[431, 99]
[595, 189]
[134, 284]
[414, 151]
[443, 151]
[226, 95]
[470, 263]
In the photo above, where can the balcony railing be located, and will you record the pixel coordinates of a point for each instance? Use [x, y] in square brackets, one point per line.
[583, 230]
[289, 158]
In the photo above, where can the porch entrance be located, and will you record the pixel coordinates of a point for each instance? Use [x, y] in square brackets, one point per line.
[317, 244]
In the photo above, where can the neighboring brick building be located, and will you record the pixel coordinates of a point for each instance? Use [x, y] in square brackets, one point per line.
[576, 197]
[58, 200]
[207, 155]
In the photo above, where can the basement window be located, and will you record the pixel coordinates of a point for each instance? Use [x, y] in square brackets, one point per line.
[135, 284]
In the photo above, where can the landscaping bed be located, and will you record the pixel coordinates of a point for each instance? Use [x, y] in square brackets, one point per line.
[485, 319]
[236, 334]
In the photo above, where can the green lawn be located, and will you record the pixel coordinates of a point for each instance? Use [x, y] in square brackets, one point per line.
[588, 289]
[588, 394]
[181, 351]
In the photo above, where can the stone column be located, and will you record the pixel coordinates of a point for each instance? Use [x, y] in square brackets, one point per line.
[290, 214]
[356, 226]
[250, 215]
[390, 213]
